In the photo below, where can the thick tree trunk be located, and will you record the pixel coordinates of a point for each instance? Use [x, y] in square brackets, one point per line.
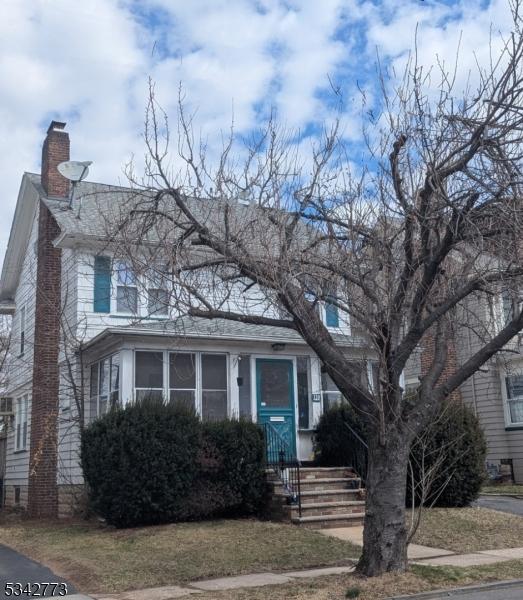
[385, 531]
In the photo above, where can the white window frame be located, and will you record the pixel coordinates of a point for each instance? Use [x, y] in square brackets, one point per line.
[196, 377]
[143, 284]
[198, 392]
[119, 284]
[504, 373]
[21, 422]
[110, 390]
[164, 375]
[344, 325]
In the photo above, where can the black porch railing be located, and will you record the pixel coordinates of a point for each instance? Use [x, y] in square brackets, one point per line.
[359, 453]
[283, 462]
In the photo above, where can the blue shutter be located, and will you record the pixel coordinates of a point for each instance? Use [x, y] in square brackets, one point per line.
[332, 318]
[102, 284]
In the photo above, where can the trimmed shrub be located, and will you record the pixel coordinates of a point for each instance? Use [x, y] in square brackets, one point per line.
[456, 444]
[152, 462]
[455, 441]
[332, 444]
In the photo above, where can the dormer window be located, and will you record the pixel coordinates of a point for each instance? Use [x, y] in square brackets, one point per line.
[126, 289]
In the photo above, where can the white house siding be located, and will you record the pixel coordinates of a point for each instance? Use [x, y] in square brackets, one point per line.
[20, 369]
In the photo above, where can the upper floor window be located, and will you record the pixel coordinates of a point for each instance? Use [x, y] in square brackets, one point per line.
[22, 330]
[22, 405]
[332, 315]
[514, 387]
[126, 289]
[102, 284]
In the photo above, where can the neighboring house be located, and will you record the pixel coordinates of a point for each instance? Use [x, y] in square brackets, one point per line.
[495, 392]
[85, 336]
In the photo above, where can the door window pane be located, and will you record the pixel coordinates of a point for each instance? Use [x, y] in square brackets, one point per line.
[303, 392]
[275, 384]
[244, 386]
[149, 370]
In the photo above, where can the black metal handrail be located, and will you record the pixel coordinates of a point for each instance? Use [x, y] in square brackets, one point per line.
[284, 463]
[359, 453]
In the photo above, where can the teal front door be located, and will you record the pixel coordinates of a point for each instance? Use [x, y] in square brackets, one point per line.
[275, 397]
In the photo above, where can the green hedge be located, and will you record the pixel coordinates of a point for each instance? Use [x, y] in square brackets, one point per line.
[455, 444]
[152, 462]
[455, 432]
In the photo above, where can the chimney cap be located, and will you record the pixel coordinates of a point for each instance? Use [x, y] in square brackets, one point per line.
[56, 126]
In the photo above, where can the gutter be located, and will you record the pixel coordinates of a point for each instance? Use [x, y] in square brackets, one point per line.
[193, 335]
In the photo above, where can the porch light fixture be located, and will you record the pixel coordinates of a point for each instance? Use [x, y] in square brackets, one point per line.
[278, 346]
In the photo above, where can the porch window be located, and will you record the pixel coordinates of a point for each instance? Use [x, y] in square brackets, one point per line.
[330, 393]
[182, 379]
[126, 289]
[149, 375]
[104, 385]
[244, 386]
[214, 386]
[21, 422]
[303, 370]
[514, 385]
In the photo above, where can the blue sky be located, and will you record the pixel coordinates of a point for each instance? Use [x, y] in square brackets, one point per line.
[88, 63]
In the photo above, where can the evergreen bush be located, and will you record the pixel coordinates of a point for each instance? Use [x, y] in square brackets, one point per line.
[152, 462]
[454, 440]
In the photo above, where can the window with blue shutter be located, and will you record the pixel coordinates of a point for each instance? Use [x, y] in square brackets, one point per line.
[102, 284]
[332, 318]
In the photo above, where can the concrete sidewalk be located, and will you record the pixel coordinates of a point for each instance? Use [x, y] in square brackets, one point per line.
[225, 583]
[436, 557]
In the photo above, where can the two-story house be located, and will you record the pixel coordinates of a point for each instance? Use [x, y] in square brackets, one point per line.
[88, 332]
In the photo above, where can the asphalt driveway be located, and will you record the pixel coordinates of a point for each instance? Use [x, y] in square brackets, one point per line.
[501, 503]
[16, 568]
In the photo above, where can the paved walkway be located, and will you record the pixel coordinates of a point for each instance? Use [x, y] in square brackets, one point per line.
[17, 568]
[225, 583]
[508, 504]
[436, 557]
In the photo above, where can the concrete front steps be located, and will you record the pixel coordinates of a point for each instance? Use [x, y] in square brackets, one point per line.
[330, 497]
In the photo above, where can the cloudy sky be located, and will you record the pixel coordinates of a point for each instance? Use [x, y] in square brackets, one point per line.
[88, 63]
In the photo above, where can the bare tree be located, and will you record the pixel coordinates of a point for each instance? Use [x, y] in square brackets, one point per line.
[407, 247]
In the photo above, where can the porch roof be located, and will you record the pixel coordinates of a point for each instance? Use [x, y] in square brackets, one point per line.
[197, 327]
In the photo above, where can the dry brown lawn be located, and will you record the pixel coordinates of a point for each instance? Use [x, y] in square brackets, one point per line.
[465, 530]
[419, 579]
[98, 559]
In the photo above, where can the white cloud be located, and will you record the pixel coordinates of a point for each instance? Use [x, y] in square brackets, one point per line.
[88, 62]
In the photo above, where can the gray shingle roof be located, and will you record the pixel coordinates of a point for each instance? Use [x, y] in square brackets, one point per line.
[98, 209]
[197, 327]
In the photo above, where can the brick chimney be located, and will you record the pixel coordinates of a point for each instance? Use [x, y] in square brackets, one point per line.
[43, 457]
[54, 151]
